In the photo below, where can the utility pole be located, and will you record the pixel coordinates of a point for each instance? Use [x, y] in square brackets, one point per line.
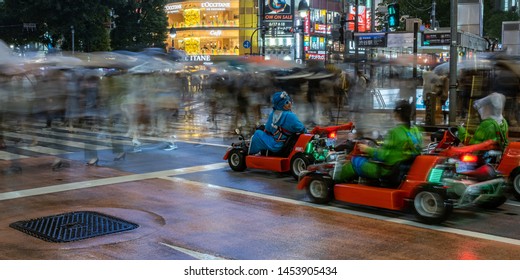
[72, 31]
[453, 63]
[433, 19]
[356, 30]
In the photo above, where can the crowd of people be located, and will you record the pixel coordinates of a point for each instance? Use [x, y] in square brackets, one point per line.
[144, 103]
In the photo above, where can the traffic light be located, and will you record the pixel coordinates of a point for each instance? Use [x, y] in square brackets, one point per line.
[393, 15]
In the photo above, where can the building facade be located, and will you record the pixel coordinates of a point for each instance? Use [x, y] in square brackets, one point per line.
[206, 29]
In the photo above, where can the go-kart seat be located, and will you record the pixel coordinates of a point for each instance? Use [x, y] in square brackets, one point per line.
[397, 174]
[287, 146]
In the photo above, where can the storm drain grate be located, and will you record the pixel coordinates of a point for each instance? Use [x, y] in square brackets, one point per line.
[73, 226]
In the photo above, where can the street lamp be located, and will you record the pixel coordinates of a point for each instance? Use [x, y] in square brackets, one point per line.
[302, 10]
[173, 34]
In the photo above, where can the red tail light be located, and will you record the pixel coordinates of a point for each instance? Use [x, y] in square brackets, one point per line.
[332, 134]
[469, 158]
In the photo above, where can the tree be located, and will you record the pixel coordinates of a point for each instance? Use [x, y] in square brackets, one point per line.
[139, 24]
[421, 9]
[493, 23]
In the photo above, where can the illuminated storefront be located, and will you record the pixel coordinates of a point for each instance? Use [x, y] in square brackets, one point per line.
[211, 28]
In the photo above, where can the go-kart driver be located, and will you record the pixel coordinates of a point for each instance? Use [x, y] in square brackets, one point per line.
[281, 123]
[402, 143]
[493, 126]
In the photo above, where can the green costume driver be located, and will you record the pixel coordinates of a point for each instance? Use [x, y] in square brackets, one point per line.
[402, 143]
[493, 125]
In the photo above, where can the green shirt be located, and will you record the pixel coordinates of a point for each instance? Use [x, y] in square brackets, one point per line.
[488, 129]
[401, 143]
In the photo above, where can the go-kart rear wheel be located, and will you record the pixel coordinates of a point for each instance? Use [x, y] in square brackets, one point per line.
[299, 163]
[237, 160]
[320, 190]
[515, 179]
[430, 207]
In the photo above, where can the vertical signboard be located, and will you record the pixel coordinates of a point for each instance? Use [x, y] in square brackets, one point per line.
[363, 20]
[278, 15]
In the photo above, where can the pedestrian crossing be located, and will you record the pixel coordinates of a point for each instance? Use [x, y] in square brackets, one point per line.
[34, 140]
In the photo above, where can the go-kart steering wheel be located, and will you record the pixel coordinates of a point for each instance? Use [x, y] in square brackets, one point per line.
[371, 142]
[454, 133]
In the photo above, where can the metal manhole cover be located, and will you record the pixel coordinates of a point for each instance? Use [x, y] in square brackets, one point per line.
[73, 226]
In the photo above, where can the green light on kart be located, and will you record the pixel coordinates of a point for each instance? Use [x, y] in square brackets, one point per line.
[309, 148]
[435, 175]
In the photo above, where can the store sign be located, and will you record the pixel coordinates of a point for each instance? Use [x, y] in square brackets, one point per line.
[199, 58]
[171, 9]
[436, 39]
[363, 20]
[215, 33]
[320, 28]
[215, 6]
[371, 40]
[315, 56]
[399, 40]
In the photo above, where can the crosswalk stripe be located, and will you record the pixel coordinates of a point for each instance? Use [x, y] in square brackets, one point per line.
[10, 156]
[44, 150]
[99, 137]
[56, 141]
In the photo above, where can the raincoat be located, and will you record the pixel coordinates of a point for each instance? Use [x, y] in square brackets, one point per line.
[280, 125]
[493, 125]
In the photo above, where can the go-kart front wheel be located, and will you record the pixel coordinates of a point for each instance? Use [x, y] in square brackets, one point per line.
[237, 160]
[320, 190]
[430, 207]
[515, 179]
[299, 163]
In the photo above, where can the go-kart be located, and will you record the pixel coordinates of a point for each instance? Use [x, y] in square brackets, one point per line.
[445, 142]
[299, 151]
[428, 184]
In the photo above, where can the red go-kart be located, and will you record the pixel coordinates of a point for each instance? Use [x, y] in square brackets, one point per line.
[444, 142]
[298, 152]
[429, 184]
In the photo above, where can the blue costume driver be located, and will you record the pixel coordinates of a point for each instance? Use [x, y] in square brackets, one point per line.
[281, 123]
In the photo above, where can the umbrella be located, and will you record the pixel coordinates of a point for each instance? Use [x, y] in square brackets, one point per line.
[261, 63]
[156, 64]
[465, 65]
[10, 64]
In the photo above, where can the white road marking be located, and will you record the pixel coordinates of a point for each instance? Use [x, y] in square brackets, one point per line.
[192, 253]
[180, 171]
[355, 213]
[70, 143]
[108, 181]
[10, 156]
[44, 150]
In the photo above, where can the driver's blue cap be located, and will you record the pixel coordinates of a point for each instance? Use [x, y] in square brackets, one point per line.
[279, 99]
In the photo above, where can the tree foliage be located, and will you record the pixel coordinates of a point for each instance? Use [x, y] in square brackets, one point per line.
[139, 23]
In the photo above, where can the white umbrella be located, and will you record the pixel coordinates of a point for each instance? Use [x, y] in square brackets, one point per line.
[466, 65]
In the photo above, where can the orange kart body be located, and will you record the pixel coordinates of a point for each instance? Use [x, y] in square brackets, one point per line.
[388, 198]
[510, 159]
[274, 163]
[294, 157]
